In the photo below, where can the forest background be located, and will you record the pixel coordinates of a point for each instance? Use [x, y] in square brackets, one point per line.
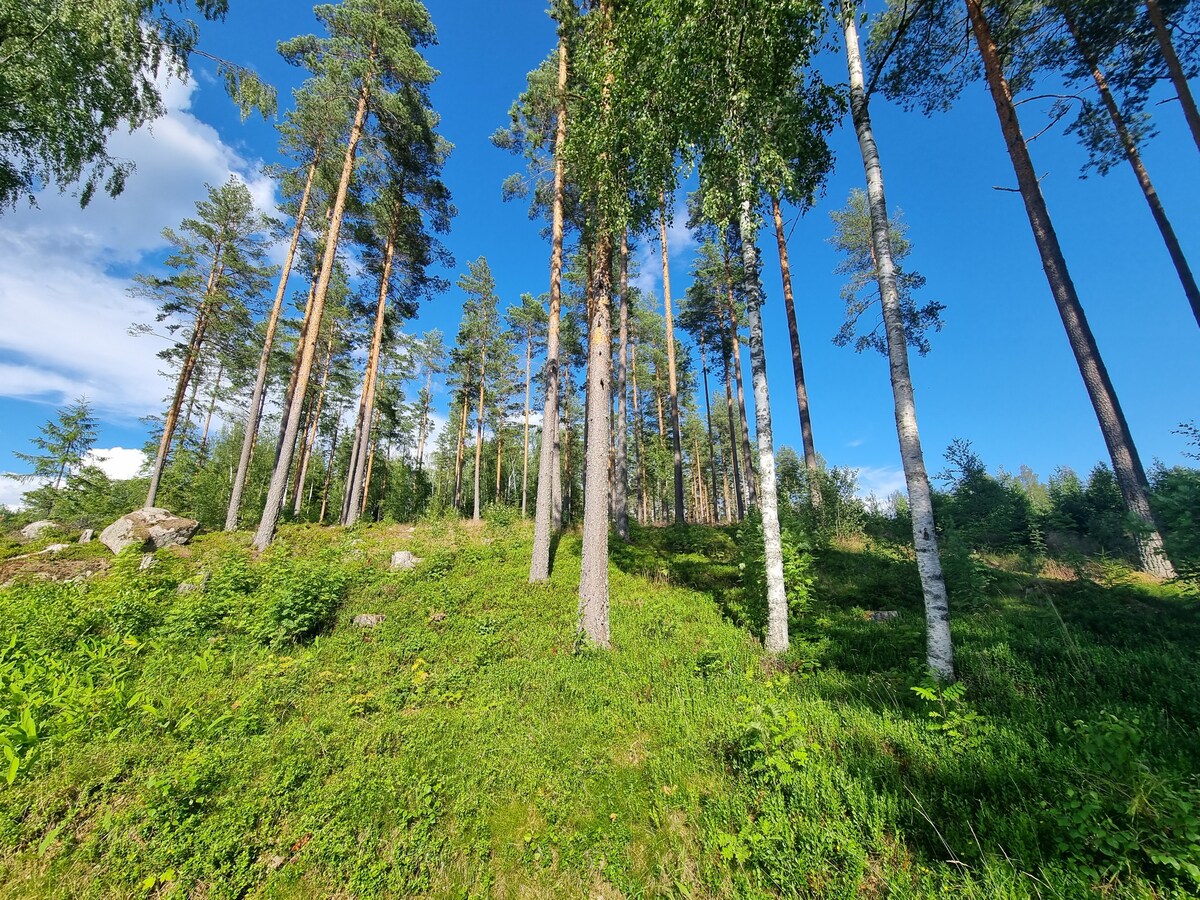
[1000, 374]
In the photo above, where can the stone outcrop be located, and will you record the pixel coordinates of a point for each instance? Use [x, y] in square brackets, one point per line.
[34, 530]
[150, 529]
[404, 559]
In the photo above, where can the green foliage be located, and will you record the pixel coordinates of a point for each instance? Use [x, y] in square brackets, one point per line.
[500, 515]
[300, 596]
[797, 571]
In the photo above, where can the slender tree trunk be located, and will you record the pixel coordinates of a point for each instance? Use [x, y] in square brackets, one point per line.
[1178, 78]
[748, 483]
[310, 442]
[264, 360]
[639, 437]
[329, 467]
[186, 368]
[366, 482]
[460, 453]
[672, 382]
[1127, 466]
[370, 382]
[525, 452]
[266, 528]
[499, 450]
[544, 513]
[735, 435]
[479, 429]
[789, 303]
[939, 648]
[777, 610]
[1186, 278]
[593, 579]
[712, 452]
[212, 406]
[620, 453]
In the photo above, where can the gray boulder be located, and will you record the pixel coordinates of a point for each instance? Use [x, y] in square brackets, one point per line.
[149, 528]
[87, 536]
[34, 530]
[370, 620]
[404, 559]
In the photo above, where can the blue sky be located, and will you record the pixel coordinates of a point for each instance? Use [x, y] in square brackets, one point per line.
[1001, 373]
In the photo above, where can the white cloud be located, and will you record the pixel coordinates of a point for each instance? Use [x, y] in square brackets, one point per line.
[63, 287]
[11, 490]
[118, 463]
[882, 481]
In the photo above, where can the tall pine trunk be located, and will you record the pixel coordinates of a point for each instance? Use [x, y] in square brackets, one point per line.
[593, 578]
[264, 360]
[776, 640]
[187, 367]
[310, 443]
[460, 449]
[712, 451]
[479, 429]
[370, 385]
[620, 452]
[672, 381]
[1178, 77]
[266, 527]
[1186, 278]
[789, 303]
[525, 451]
[748, 484]
[545, 517]
[939, 652]
[1127, 466]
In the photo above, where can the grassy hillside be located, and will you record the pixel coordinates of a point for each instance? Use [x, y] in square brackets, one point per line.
[241, 736]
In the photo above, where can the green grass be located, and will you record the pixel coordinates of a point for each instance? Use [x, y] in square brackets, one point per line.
[245, 739]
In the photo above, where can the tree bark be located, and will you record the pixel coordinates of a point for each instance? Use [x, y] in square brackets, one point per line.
[776, 640]
[460, 453]
[1127, 466]
[620, 454]
[479, 428]
[1186, 278]
[186, 368]
[370, 383]
[735, 433]
[748, 483]
[672, 381]
[545, 519]
[329, 467]
[264, 360]
[712, 451]
[1178, 78]
[525, 453]
[789, 303]
[310, 442]
[212, 406]
[593, 579]
[266, 528]
[939, 652]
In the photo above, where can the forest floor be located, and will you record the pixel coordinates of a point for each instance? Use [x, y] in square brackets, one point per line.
[241, 736]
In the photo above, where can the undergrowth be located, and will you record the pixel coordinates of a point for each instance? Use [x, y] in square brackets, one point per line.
[215, 725]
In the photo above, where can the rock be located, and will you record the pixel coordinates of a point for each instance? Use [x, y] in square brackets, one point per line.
[404, 560]
[146, 563]
[34, 530]
[150, 528]
[87, 536]
[55, 548]
[881, 615]
[370, 620]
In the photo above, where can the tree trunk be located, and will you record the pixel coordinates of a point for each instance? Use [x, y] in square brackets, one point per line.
[748, 484]
[777, 609]
[593, 579]
[264, 360]
[620, 454]
[186, 368]
[329, 467]
[212, 406]
[1178, 78]
[266, 528]
[1126, 465]
[460, 453]
[735, 436]
[370, 382]
[499, 450]
[1165, 228]
[789, 303]
[939, 653]
[366, 482]
[525, 453]
[712, 452]
[639, 437]
[310, 442]
[479, 429]
[672, 381]
[545, 519]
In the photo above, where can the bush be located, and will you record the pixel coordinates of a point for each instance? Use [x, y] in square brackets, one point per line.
[300, 596]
